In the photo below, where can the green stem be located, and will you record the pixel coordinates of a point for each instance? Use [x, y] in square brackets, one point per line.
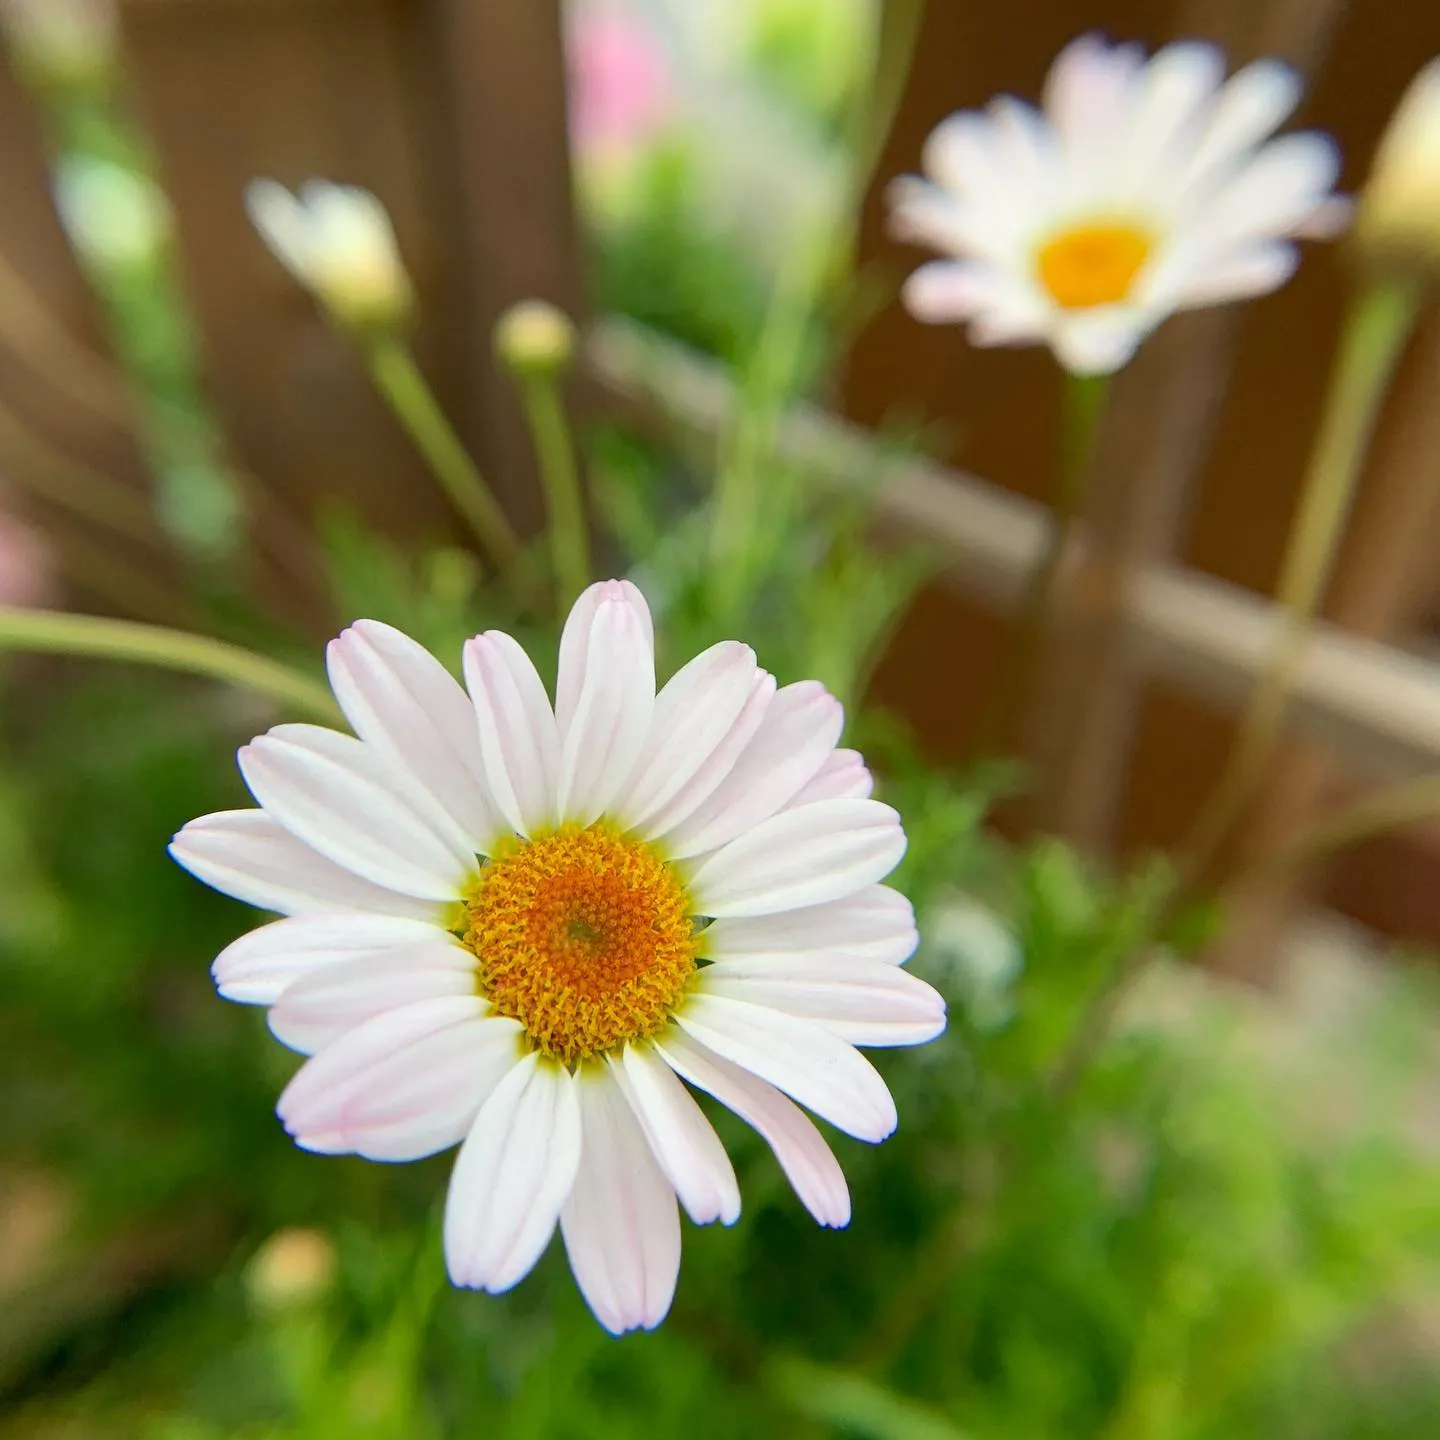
[1393, 808]
[560, 475]
[1380, 321]
[97, 638]
[399, 380]
[1083, 403]
[897, 35]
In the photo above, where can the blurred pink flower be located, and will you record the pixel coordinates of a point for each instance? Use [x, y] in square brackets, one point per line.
[620, 88]
[25, 572]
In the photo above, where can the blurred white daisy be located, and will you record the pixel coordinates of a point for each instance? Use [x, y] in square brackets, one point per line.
[337, 241]
[520, 928]
[1139, 189]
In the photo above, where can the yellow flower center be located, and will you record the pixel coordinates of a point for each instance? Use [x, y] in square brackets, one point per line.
[583, 936]
[1093, 264]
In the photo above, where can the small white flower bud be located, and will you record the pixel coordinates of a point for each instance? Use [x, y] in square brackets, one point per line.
[535, 338]
[336, 240]
[1398, 219]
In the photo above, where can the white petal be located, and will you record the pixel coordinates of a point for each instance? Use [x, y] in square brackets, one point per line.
[250, 855]
[800, 857]
[575, 641]
[717, 763]
[799, 1147]
[877, 923]
[843, 776]
[402, 1085]
[257, 967]
[971, 229]
[1278, 190]
[1098, 341]
[1170, 103]
[513, 1176]
[321, 1007]
[859, 1001]
[694, 712]
[608, 727]
[947, 292]
[794, 740]
[621, 1224]
[682, 1140]
[1255, 270]
[960, 154]
[1251, 106]
[280, 220]
[824, 1074]
[1088, 94]
[405, 704]
[351, 805]
[518, 740]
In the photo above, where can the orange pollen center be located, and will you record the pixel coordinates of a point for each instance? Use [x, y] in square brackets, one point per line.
[584, 937]
[1092, 264]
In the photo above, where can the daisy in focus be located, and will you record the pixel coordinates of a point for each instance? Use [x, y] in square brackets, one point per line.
[525, 929]
[1140, 188]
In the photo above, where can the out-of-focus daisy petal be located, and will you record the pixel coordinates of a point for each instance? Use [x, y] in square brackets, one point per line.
[1251, 106]
[1098, 342]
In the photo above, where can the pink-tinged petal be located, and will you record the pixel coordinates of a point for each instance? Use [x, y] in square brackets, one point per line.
[682, 1140]
[346, 801]
[249, 855]
[806, 1159]
[621, 1225]
[877, 923]
[514, 1174]
[706, 778]
[800, 857]
[860, 1001]
[809, 1064]
[405, 704]
[1089, 93]
[391, 1088]
[519, 743]
[576, 636]
[794, 740]
[694, 712]
[322, 1006]
[607, 729]
[256, 968]
[843, 776]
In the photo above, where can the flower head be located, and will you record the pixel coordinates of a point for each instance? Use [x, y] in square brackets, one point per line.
[526, 928]
[338, 242]
[1399, 213]
[1139, 189]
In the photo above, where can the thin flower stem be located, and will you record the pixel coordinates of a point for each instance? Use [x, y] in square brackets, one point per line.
[560, 475]
[98, 638]
[1083, 404]
[1390, 809]
[399, 380]
[1376, 329]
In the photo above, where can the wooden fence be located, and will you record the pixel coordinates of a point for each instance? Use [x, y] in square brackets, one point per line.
[453, 112]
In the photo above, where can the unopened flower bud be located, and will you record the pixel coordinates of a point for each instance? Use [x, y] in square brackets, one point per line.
[291, 1269]
[1398, 221]
[336, 240]
[61, 43]
[535, 338]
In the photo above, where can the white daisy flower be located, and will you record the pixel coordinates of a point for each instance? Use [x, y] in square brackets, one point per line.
[525, 930]
[1139, 189]
[338, 242]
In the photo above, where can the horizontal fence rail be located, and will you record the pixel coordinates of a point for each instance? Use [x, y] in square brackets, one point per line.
[1376, 707]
